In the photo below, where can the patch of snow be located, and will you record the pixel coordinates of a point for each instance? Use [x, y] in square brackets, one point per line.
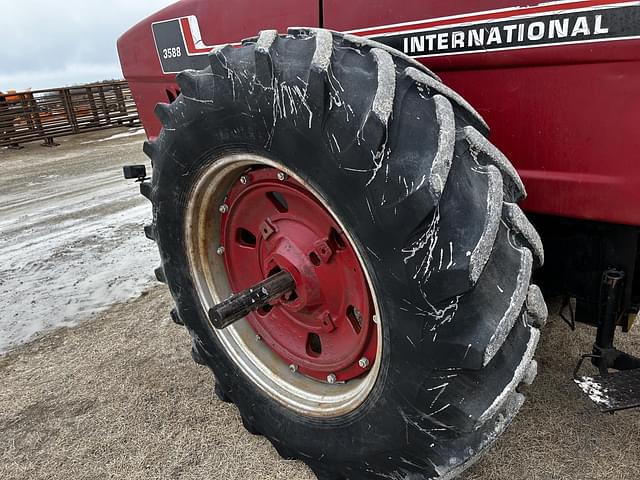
[130, 133]
[69, 248]
[596, 392]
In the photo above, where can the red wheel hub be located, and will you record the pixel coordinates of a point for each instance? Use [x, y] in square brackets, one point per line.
[270, 222]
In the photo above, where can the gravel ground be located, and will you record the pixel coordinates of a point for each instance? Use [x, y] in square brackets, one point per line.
[118, 395]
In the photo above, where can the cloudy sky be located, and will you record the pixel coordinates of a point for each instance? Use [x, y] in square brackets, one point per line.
[52, 43]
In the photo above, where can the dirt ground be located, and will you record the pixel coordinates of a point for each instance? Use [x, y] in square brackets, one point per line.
[118, 396]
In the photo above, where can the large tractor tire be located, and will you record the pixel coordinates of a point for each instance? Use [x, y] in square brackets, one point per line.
[413, 323]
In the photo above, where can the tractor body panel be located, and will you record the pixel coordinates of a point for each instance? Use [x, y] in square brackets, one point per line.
[559, 83]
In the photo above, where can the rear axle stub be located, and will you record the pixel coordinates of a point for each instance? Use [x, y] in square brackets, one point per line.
[237, 306]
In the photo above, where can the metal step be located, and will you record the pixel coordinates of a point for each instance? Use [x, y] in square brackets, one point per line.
[613, 391]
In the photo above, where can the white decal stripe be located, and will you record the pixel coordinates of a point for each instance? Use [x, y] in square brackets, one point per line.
[367, 31]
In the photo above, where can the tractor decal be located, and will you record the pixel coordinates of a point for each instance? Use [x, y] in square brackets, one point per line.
[559, 23]
[180, 46]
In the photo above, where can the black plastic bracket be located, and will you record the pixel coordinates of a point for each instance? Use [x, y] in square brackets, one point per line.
[139, 172]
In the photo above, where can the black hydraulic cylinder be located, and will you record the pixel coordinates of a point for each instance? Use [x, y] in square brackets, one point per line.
[240, 304]
[612, 284]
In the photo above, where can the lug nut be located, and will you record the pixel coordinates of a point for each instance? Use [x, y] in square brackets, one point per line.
[220, 250]
[282, 176]
[331, 378]
[363, 362]
[224, 208]
[293, 368]
[244, 179]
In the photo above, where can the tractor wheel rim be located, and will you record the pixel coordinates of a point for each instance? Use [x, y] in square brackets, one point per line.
[237, 203]
[271, 222]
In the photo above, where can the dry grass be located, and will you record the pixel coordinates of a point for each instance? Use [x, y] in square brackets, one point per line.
[119, 397]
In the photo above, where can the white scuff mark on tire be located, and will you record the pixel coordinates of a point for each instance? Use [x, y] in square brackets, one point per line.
[451, 262]
[224, 63]
[440, 316]
[373, 253]
[370, 211]
[466, 352]
[378, 159]
[441, 389]
[411, 421]
[335, 91]
[440, 410]
[425, 243]
[336, 142]
[287, 101]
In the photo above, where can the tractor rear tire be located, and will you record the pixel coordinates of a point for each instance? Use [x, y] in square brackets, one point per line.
[431, 206]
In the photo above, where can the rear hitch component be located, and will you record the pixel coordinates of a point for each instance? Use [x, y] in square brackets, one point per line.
[619, 390]
[240, 304]
[607, 356]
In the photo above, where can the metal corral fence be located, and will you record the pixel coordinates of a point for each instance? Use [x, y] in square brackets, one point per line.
[45, 114]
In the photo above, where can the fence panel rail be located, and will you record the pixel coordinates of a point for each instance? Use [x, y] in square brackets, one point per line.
[45, 114]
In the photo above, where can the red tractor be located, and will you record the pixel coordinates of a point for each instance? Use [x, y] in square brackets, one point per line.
[343, 243]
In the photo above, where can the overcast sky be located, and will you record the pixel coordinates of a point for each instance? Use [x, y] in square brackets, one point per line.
[53, 43]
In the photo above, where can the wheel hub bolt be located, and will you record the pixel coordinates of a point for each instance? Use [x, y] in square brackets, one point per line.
[220, 250]
[363, 362]
[331, 378]
[293, 368]
[244, 179]
[282, 176]
[224, 208]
